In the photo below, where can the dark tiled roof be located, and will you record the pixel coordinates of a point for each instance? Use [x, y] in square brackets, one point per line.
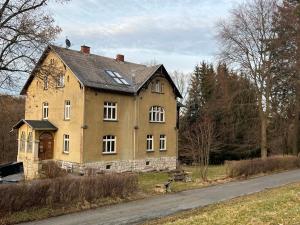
[90, 70]
[36, 124]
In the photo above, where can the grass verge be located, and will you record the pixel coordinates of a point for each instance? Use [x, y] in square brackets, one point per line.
[274, 206]
[148, 181]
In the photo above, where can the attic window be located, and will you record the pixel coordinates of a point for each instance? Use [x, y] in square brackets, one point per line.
[117, 77]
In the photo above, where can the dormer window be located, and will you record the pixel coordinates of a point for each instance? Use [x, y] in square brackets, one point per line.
[117, 77]
[157, 86]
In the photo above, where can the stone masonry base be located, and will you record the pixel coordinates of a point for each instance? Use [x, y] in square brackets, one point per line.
[32, 168]
[148, 164]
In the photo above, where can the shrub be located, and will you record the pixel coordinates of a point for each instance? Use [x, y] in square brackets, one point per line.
[52, 170]
[256, 166]
[65, 190]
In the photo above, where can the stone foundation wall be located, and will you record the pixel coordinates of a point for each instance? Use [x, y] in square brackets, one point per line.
[148, 164]
[32, 168]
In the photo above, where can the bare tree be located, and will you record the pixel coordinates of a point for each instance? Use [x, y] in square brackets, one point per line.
[25, 29]
[245, 43]
[199, 141]
[182, 82]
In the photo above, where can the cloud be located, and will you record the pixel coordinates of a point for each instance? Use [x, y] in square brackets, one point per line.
[183, 28]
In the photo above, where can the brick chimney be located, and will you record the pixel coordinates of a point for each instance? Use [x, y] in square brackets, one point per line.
[120, 57]
[85, 49]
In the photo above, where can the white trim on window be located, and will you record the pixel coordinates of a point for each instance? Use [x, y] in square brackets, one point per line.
[66, 143]
[162, 142]
[110, 111]
[157, 114]
[109, 144]
[149, 143]
[67, 111]
[45, 110]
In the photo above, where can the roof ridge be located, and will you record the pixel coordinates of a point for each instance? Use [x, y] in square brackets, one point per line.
[95, 55]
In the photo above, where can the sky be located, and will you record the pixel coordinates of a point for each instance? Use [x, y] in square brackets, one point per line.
[176, 33]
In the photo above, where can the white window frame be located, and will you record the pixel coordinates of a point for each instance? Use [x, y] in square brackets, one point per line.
[149, 143]
[60, 81]
[107, 141]
[157, 114]
[66, 143]
[45, 109]
[162, 142]
[67, 111]
[109, 108]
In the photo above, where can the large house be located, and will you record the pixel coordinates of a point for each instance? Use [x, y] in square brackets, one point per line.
[98, 112]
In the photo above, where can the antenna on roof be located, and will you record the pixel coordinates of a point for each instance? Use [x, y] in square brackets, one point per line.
[68, 43]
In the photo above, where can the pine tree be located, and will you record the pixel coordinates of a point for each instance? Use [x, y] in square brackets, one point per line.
[194, 97]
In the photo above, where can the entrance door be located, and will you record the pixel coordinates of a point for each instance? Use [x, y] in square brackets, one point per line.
[46, 146]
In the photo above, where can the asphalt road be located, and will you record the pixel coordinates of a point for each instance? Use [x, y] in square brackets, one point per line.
[139, 211]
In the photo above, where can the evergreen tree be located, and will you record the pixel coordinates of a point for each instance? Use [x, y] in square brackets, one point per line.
[194, 97]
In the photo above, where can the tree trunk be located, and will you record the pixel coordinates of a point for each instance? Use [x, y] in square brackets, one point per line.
[295, 142]
[263, 140]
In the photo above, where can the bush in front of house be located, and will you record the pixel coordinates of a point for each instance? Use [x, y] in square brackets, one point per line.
[65, 191]
[52, 170]
[245, 168]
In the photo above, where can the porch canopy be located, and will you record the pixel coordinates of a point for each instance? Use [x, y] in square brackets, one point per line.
[36, 124]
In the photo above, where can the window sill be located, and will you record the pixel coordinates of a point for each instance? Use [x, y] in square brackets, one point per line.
[66, 119]
[109, 153]
[156, 92]
[162, 150]
[149, 150]
[157, 122]
[110, 120]
[65, 153]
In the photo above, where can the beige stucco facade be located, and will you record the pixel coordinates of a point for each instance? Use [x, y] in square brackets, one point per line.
[86, 126]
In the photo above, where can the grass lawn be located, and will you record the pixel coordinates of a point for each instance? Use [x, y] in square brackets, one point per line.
[275, 206]
[148, 181]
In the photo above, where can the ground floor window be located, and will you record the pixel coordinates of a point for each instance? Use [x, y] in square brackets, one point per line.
[162, 142]
[109, 144]
[149, 142]
[66, 143]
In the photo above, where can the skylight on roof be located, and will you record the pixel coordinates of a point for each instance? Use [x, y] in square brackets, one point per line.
[117, 77]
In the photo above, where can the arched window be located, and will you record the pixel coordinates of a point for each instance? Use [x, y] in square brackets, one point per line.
[22, 141]
[157, 114]
[109, 144]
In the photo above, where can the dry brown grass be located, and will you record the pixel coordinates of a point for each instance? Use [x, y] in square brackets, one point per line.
[65, 190]
[246, 168]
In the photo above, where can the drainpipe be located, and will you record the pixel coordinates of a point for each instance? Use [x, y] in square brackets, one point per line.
[82, 128]
[134, 129]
